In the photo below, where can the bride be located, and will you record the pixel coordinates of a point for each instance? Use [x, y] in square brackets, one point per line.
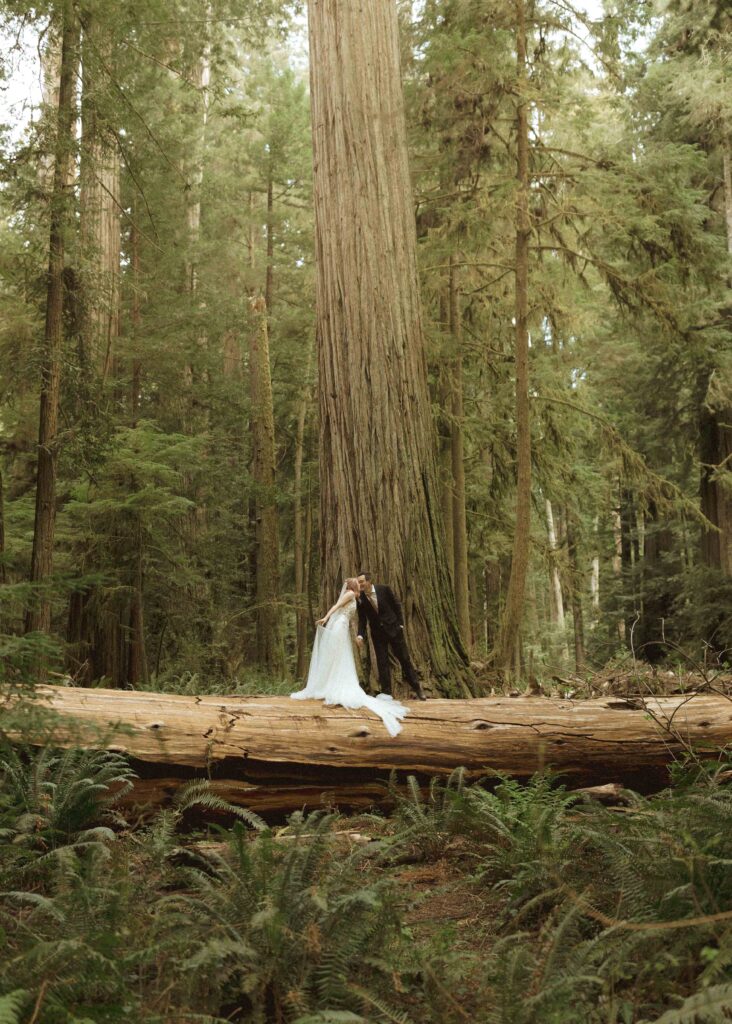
[332, 677]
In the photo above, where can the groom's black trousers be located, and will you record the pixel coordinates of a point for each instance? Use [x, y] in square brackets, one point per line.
[398, 646]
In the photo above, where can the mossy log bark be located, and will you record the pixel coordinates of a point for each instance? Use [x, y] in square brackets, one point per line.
[276, 754]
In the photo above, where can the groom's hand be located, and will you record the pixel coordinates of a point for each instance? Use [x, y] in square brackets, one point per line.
[359, 641]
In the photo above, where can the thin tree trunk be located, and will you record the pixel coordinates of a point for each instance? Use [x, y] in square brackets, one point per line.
[513, 610]
[137, 663]
[657, 599]
[269, 642]
[727, 180]
[447, 483]
[269, 229]
[3, 574]
[595, 579]
[459, 523]
[136, 381]
[575, 591]
[38, 616]
[301, 619]
[618, 566]
[380, 502]
[629, 561]
[557, 601]
[308, 559]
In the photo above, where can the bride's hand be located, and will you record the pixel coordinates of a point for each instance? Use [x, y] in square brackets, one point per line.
[320, 622]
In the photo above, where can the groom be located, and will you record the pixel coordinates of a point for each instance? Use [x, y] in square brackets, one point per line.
[379, 608]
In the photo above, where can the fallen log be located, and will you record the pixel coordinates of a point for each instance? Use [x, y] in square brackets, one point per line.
[275, 755]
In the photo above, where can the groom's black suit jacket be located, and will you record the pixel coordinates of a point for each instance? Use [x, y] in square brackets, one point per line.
[388, 621]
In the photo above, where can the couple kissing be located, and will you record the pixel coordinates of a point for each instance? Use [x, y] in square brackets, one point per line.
[332, 676]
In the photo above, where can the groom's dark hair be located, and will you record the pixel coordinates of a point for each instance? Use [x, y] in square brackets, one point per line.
[366, 575]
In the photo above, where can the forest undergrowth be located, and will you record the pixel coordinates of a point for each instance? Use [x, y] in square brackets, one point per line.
[499, 903]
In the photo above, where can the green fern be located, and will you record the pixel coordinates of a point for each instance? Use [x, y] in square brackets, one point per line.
[708, 1006]
[199, 793]
[12, 1005]
[281, 923]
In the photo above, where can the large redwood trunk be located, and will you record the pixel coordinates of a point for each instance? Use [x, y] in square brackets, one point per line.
[38, 616]
[513, 611]
[380, 503]
[457, 452]
[100, 209]
[274, 753]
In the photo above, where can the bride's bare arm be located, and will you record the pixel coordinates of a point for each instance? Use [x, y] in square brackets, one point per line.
[340, 603]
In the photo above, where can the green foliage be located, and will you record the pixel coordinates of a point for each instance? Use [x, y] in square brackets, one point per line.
[200, 794]
[283, 928]
[426, 822]
[11, 1006]
[54, 804]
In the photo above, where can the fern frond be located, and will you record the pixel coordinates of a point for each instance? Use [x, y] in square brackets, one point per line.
[11, 1006]
[708, 1006]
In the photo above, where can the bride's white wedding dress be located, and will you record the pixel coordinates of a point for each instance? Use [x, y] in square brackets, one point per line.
[332, 677]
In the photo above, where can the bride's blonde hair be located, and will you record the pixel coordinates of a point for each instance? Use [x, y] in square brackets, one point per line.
[352, 584]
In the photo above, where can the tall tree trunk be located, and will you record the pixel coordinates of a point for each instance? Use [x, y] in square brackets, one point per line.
[50, 85]
[595, 578]
[136, 376]
[269, 229]
[520, 556]
[575, 591]
[380, 503]
[556, 598]
[138, 664]
[629, 566]
[557, 601]
[657, 599]
[137, 667]
[618, 568]
[727, 184]
[301, 617]
[3, 574]
[100, 212]
[459, 524]
[715, 428]
[716, 435]
[269, 642]
[447, 482]
[38, 616]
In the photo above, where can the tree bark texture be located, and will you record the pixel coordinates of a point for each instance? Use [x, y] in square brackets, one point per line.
[38, 616]
[299, 547]
[716, 486]
[269, 641]
[100, 212]
[513, 610]
[447, 483]
[576, 585]
[557, 601]
[656, 595]
[459, 521]
[293, 752]
[3, 575]
[380, 501]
